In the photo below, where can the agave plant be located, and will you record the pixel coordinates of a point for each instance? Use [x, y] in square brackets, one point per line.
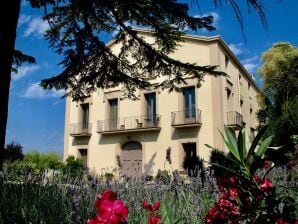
[247, 160]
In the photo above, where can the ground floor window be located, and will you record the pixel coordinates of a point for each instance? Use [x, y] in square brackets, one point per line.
[191, 162]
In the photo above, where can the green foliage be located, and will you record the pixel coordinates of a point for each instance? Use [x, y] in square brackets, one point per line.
[73, 166]
[280, 102]
[13, 151]
[242, 179]
[76, 29]
[44, 161]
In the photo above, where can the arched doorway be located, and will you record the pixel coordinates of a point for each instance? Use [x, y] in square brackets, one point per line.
[131, 159]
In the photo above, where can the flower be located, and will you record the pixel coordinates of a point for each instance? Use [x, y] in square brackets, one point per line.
[110, 210]
[154, 219]
[266, 164]
[266, 185]
[281, 221]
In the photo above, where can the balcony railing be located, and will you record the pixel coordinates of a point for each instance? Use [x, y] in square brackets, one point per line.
[80, 129]
[129, 124]
[186, 118]
[234, 120]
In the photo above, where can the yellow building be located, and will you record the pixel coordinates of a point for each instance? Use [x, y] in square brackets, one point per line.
[114, 134]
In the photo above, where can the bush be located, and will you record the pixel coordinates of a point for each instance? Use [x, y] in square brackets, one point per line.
[73, 167]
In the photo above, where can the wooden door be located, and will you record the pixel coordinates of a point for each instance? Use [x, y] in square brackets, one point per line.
[132, 159]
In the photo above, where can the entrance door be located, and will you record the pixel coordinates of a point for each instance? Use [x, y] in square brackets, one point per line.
[132, 159]
[191, 160]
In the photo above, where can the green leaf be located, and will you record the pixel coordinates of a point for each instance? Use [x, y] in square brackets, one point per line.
[231, 143]
[167, 215]
[242, 145]
[255, 142]
[263, 146]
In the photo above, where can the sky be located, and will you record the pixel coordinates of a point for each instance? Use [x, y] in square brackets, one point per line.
[36, 116]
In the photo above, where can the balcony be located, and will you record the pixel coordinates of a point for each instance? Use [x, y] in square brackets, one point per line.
[234, 120]
[129, 124]
[80, 129]
[186, 118]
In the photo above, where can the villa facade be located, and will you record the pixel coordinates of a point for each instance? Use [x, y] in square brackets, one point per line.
[115, 134]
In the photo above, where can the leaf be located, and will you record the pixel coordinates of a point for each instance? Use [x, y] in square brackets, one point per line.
[230, 143]
[263, 146]
[255, 142]
[167, 215]
[242, 145]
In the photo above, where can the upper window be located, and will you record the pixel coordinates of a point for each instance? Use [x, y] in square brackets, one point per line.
[226, 61]
[85, 114]
[189, 102]
[151, 106]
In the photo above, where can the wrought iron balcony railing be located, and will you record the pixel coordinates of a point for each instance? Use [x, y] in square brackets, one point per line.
[190, 117]
[234, 119]
[80, 129]
[124, 124]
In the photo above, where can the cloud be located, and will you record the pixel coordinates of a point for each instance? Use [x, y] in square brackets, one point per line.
[24, 71]
[23, 19]
[236, 48]
[250, 64]
[215, 15]
[35, 26]
[35, 91]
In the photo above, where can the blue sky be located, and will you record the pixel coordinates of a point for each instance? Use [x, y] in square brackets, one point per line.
[36, 116]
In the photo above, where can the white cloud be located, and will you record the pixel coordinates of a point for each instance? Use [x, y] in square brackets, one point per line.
[24, 70]
[23, 19]
[35, 91]
[215, 15]
[236, 48]
[35, 27]
[250, 64]
[250, 67]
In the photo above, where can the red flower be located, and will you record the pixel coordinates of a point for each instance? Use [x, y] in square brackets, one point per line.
[281, 221]
[232, 180]
[110, 210]
[266, 164]
[266, 185]
[155, 206]
[145, 204]
[154, 219]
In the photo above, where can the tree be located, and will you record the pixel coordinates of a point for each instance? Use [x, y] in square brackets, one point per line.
[76, 29]
[279, 95]
[13, 151]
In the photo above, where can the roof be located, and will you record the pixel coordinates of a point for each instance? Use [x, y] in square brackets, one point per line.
[216, 38]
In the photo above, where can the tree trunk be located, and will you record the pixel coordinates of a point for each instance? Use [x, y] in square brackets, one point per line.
[9, 14]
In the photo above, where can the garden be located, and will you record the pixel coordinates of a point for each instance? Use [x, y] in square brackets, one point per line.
[244, 186]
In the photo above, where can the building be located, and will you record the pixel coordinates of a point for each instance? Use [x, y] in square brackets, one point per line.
[115, 134]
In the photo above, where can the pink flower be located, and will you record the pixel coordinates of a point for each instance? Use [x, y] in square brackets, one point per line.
[266, 164]
[110, 210]
[266, 185]
[155, 206]
[281, 221]
[154, 219]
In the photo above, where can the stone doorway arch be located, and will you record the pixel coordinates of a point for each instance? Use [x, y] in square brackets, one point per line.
[131, 156]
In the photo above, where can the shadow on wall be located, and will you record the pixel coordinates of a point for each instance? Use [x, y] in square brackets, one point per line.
[114, 138]
[189, 132]
[148, 167]
[80, 141]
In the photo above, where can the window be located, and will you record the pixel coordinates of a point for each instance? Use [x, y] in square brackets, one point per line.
[85, 115]
[83, 155]
[113, 113]
[191, 162]
[151, 106]
[189, 103]
[229, 100]
[226, 61]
